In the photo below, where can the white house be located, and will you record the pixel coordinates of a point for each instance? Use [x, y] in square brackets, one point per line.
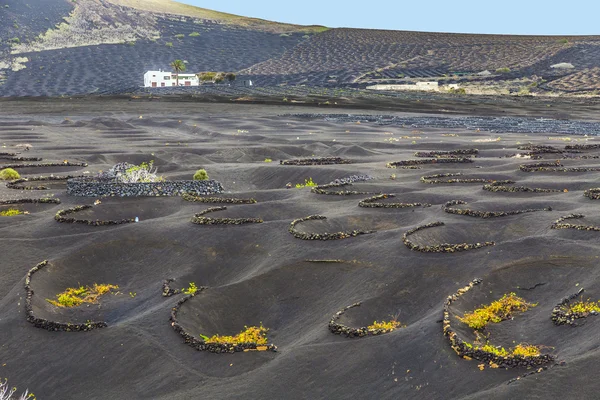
[420, 86]
[162, 78]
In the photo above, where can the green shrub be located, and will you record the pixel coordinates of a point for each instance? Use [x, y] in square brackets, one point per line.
[11, 212]
[180, 36]
[194, 34]
[9, 174]
[458, 91]
[191, 290]
[201, 175]
[169, 44]
[503, 70]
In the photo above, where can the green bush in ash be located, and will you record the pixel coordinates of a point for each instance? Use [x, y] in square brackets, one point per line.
[9, 174]
[201, 175]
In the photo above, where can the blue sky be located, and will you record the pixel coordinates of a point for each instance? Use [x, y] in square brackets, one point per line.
[528, 17]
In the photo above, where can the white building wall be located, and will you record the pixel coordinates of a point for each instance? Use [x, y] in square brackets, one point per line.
[168, 79]
[429, 88]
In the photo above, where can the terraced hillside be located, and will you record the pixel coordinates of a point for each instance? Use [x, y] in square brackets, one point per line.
[58, 47]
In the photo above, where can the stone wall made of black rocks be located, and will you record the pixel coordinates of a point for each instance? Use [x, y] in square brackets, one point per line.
[47, 324]
[560, 224]
[199, 219]
[225, 200]
[316, 161]
[18, 183]
[439, 248]
[15, 157]
[466, 351]
[485, 214]
[439, 179]
[30, 201]
[540, 149]
[321, 189]
[322, 236]
[403, 163]
[61, 217]
[554, 167]
[91, 187]
[340, 329]
[201, 345]
[449, 153]
[582, 146]
[61, 164]
[561, 316]
[373, 202]
[592, 194]
[167, 290]
[500, 186]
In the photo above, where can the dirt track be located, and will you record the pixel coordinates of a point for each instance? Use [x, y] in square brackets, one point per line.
[260, 273]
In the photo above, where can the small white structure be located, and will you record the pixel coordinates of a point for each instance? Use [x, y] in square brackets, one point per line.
[425, 86]
[162, 78]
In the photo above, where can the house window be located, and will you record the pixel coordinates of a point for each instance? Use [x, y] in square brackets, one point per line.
[154, 76]
[162, 84]
[173, 84]
[188, 83]
[167, 78]
[153, 84]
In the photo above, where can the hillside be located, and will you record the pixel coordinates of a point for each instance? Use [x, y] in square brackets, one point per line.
[59, 47]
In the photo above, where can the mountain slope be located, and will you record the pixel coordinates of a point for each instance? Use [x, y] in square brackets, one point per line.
[76, 48]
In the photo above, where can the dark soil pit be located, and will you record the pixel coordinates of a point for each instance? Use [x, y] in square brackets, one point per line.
[52, 182]
[28, 208]
[276, 177]
[286, 310]
[81, 269]
[490, 209]
[119, 209]
[348, 226]
[361, 319]
[539, 281]
[437, 237]
[46, 170]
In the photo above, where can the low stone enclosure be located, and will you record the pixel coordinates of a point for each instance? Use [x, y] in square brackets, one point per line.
[485, 214]
[501, 187]
[448, 154]
[316, 161]
[540, 149]
[225, 200]
[95, 187]
[61, 217]
[340, 329]
[467, 351]
[321, 190]
[322, 236]
[582, 146]
[44, 165]
[439, 248]
[15, 157]
[438, 179]
[199, 218]
[592, 194]
[560, 224]
[554, 167]
[200, 344]
[405, 163]
[30, 201]
[47, 324]
[374, 202]
[18, 183]
[167, 290]
[560, 316]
